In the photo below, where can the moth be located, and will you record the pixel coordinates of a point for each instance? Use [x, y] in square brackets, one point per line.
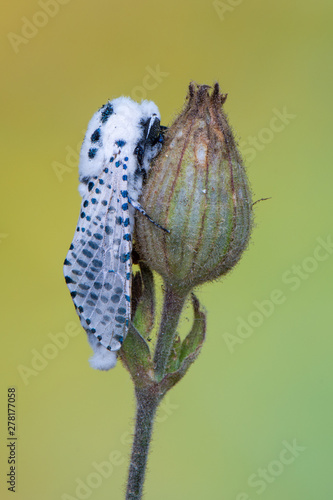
[122, 138]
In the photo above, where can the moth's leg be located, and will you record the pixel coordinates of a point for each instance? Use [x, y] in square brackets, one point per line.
[139, 208]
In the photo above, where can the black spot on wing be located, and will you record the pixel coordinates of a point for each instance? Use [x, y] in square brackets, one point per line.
[77, 272]
[107, 111]
[83, 286]
[92, 153]
[82, 263]
[93, 245]
[119, 338]
[87, 253]
[120, 319]
[97, 263]
[95, 136]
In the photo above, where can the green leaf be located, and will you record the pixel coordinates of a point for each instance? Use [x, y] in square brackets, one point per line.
[135, 355]
[187, 351]
[196, 337]
[173, 363]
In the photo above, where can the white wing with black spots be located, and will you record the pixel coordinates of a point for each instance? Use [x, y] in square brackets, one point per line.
[98, 264]
[121, 139]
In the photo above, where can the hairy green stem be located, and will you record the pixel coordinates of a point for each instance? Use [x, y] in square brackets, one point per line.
[172, 308]
[148, 398]
[146, 408]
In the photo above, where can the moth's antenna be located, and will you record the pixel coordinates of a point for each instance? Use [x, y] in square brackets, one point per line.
[261, 199]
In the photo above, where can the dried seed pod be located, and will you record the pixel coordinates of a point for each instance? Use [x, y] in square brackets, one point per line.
[198, 189]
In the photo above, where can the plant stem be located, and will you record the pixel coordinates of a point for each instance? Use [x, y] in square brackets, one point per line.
[148, 398]
[172, 308]
[147, 403]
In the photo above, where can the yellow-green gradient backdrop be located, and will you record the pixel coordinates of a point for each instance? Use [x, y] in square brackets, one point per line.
[225, 430]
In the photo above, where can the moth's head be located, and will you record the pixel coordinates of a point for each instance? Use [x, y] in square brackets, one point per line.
[148, 109]
[151, 134]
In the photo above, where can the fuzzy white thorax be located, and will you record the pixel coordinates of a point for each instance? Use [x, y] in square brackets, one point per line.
[124, 123]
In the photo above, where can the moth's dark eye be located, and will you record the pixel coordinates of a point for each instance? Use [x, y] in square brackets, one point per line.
[160, 138]
[153, 131]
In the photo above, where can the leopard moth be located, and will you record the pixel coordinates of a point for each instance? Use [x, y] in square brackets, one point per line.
[122, 138]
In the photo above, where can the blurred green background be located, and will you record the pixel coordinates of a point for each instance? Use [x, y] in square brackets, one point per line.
[224, 431]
